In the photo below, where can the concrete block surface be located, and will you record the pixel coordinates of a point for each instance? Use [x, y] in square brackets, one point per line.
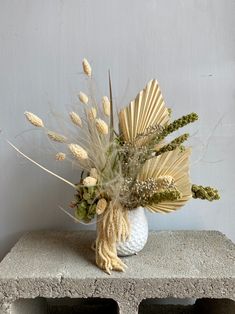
[178, 264]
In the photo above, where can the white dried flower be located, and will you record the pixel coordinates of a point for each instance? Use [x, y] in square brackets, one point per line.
[83, 98]
[33, 119]
[94, 173]
[78, 152]
[92, 113]
[75, 118]
[89, 181]
[168, 180]
[56, 137]
[165, 182]
[86, 67]
[60, 156]
[101, 126]
[101, 206]
[106, 105]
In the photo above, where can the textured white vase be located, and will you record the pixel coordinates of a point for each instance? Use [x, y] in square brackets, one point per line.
[138, 233]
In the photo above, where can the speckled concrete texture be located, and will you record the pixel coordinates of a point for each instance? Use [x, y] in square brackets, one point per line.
[179, 264]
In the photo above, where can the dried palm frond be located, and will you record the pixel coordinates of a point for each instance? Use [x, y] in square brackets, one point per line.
[148, 109]
[176, 165]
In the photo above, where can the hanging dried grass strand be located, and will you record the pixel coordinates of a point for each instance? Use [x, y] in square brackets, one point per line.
[112, 227]
[101, 206]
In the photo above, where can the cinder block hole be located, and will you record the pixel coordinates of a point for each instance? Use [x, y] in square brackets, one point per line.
[187, 306]
[64, 306]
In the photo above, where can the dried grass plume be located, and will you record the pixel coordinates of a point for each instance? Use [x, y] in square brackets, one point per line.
[60, 156]
[75, 118]
[78, 152]
[102, 126]
[106, 106]
[83, 98]
[33, 119]
[86, 67]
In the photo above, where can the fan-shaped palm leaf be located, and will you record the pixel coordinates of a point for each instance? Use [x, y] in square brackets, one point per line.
[148, 109]
[176, 165]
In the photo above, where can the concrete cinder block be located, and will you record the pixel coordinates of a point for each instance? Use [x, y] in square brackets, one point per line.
[178, 264]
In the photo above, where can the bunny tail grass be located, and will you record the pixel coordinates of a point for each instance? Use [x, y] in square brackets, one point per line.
[40, 166]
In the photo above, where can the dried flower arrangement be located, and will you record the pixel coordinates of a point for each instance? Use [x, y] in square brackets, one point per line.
[126, 169]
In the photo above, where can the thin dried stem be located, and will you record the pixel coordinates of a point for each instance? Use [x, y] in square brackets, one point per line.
[40, 166]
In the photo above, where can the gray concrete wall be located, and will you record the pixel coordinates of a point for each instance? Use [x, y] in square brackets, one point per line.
[188, 45]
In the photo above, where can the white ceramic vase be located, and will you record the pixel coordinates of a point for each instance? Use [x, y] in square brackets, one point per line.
[138, 233]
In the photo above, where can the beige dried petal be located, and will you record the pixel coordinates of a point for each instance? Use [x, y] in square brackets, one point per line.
[94, 173]
[83, 98]
[56, 137]
[60, 156]
[101, 206]
[75, 118]
[102, 127]
[92, 113]
[86, 67]
[106, 105]
[78, 152]
[33, 119]
[89, 181]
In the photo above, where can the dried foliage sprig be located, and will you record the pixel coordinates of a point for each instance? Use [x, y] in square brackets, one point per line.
[174, 126]
[167, 195]
[205, 193]
[173, 144]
